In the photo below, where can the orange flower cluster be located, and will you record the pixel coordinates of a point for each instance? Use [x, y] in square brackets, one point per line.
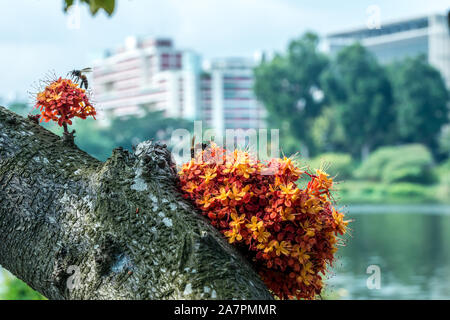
[63, 100]
[289, 234]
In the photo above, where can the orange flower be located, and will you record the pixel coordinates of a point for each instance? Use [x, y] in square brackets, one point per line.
[238, 195]
[261, 235]
[290, 234]
[63, 100]
[233, 235]
[300, 253]
[286, 214]
[206, 201]
[255, 224]
[339, 220]
[237, 220]
[282, 247]
[223, 194]
[290, 190]
[210, 173]
[189, 187]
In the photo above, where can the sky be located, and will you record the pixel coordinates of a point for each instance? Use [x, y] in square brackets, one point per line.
[35, 37]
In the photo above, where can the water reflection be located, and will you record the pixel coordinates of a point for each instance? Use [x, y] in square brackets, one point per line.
[411, 245]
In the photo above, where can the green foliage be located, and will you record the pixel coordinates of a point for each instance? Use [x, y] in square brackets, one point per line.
[445, 167]
[351, 191]
[358, 87]
[286, 86]
[420, 101]
[407, 190]
[328, 135]
[444, 141]
[15, 289]
[94, 5]
[407, 163]
[443, 172]
[336, 164]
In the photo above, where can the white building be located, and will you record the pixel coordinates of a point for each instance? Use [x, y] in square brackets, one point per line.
[151, 75]
[227, 98]
[428, 35]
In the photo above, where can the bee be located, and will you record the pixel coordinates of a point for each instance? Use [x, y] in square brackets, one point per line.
[79, 76]
[193, 147]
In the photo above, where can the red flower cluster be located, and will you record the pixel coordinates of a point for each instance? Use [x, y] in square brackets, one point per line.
[290, 234]
[63, 100]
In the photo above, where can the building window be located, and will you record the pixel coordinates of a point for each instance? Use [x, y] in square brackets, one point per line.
[178, 61]
[165, 61]
[109, 86]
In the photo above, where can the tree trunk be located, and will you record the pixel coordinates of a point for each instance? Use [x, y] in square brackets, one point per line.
[73, 227]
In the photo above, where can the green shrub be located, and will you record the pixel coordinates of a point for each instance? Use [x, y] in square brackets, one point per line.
[408, 190]
[336, 164]
[407, 163]
[443, 172]
[444, 168]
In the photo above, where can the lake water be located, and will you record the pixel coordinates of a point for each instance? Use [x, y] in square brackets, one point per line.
[409, 244]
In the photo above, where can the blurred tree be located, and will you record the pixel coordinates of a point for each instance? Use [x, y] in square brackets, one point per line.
[288, 85]
[328, 134]
[444, 141]
[358, 87]
[339, 165]
[94, 5]
[15, 289]
[20, 107]
[407, 163]
[420, 101]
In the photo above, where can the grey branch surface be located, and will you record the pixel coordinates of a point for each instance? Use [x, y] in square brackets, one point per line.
[73, 227]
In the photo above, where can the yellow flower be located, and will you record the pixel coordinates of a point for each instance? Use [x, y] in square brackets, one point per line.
[187, 166]
[290, 190]
[190, 187]
[262, 236]
[238, 195]
[312, 206]
[206, 201]
[233, 235]
[306, 274]
[245, 170]
[282, 247]
[339, 220]
[287, 165]
[310, 231]
[286, 214]
[223, 194]
[271, 245]
[254, 225]
[209, 174]
[237, 220]
[300, 253]
[324, 181]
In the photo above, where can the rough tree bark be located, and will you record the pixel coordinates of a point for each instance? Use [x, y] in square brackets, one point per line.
[122, 224]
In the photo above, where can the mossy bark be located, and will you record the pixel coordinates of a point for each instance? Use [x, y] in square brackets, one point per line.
[120, 227]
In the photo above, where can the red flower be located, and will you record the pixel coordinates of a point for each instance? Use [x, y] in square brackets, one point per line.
[63, 100]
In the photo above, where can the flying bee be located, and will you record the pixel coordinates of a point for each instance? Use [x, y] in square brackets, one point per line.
[80, 77]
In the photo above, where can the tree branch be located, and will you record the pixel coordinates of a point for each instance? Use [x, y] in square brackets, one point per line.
[121, 226]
